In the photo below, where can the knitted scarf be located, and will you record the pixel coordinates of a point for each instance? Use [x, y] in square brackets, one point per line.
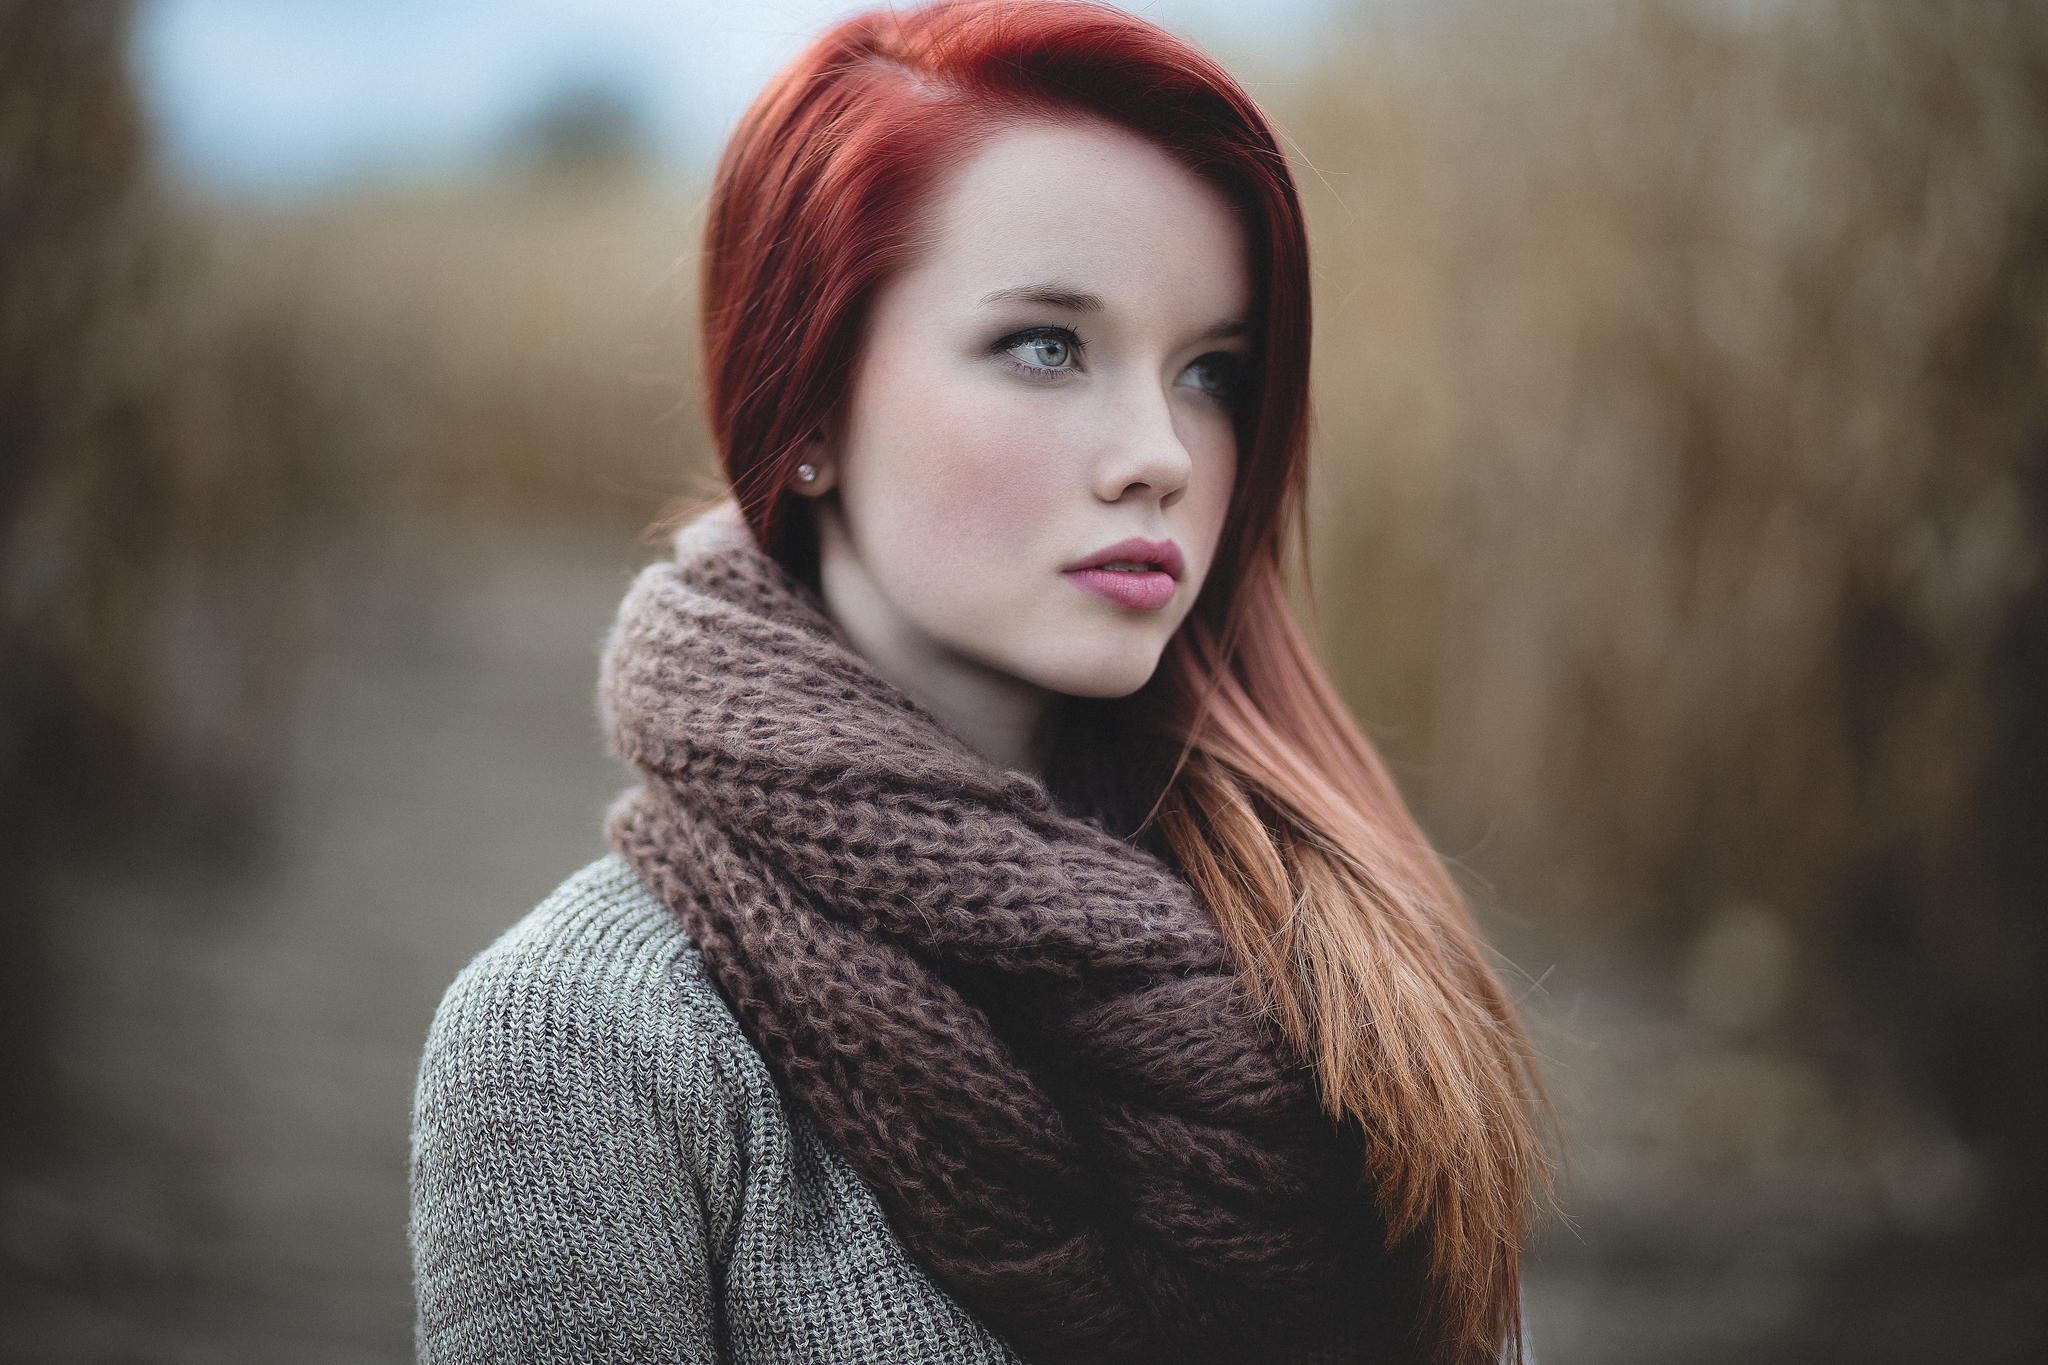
[1023, 1032]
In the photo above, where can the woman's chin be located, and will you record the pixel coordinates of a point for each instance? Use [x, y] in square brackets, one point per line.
[1114, 671]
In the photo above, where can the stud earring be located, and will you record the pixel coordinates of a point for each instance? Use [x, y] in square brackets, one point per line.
[806, 472]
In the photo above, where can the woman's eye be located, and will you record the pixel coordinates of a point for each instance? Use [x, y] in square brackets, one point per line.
[1043, 351]
[1222, 374]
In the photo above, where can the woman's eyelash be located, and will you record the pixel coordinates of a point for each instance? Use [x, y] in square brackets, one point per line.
[1233, 366]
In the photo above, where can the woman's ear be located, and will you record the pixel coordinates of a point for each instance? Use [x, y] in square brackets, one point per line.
[818, 470]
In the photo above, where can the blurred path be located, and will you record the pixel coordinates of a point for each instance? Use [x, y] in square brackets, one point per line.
[239, 1055]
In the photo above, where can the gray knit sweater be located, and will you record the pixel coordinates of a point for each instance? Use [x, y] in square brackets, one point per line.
[603, 1170]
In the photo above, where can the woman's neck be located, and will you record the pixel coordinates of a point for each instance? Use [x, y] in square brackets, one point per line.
[998, 715]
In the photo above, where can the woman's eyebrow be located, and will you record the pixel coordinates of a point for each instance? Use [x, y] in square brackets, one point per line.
[1051, 295]
[1081, 301]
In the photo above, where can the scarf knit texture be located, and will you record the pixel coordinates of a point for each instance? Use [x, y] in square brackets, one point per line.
[1023, 1032]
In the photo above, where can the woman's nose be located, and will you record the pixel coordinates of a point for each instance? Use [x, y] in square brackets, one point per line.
[1145, 451]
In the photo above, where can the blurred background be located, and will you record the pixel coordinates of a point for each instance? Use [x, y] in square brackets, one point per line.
[1682, 503]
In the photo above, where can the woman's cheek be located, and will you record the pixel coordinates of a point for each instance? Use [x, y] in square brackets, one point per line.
[976, 526]
[985, 470]
[972, 477]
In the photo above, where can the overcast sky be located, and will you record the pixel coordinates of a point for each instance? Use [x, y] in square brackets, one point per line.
[289, 96]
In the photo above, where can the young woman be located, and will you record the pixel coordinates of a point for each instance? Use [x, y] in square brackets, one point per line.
[1012, 949]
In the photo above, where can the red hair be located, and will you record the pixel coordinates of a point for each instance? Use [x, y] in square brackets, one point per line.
[1265, 792]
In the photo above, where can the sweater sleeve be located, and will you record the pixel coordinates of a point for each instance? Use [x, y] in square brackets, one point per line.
[564, 1125]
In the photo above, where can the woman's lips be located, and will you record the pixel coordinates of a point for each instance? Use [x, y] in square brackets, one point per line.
[1141, 590]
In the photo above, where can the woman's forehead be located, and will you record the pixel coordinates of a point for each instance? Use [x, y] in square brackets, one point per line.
[1089, 208]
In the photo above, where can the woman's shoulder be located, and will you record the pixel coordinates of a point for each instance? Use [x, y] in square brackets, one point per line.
[599, 973]
[582, 1083]
[601, 924]
[601, 937]
[603, 1169]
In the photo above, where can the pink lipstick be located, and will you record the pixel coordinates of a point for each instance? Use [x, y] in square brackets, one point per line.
[1136, 573]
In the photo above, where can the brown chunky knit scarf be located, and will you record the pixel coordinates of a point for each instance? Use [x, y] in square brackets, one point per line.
[1023, 1032]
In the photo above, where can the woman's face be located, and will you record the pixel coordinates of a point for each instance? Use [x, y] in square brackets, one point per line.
[1054, 375]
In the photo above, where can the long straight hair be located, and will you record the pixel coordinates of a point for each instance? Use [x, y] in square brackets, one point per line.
[1343, 920]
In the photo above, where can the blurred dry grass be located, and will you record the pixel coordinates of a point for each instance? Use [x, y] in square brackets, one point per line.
[1682, 387]
[515, 347]
[1686, 474]
[230, 385]
[1682, 511]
